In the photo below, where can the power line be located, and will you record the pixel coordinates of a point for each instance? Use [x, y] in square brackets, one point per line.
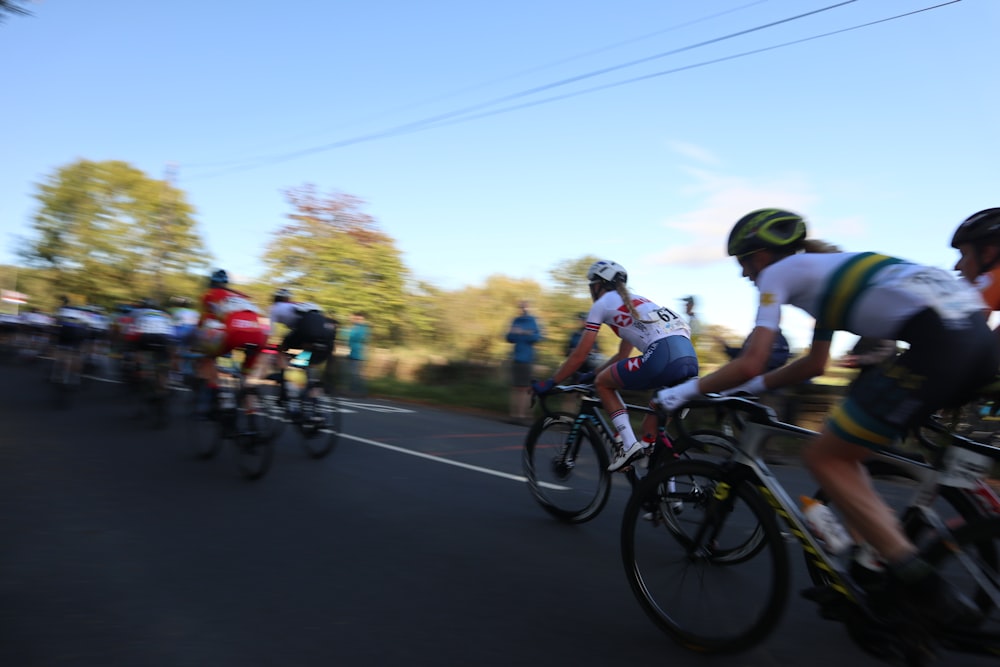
[501, 79]
[465, 114]
[436, 120]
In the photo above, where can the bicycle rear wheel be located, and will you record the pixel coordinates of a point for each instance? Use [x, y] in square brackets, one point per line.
[566, 468]
[321, 424]
[964, 560]
[679, 572]
[254, 451]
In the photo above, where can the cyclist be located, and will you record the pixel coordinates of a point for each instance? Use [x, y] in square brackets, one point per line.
[185, 319]
[660, 334]
[72, 331]
[309, 329]
[229, 320]
[977, 240]
[150, 330]
[951, 353]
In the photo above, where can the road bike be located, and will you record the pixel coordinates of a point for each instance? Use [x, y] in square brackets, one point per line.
[566, 455]
[243, 413]
[716, 577]
[310, 406]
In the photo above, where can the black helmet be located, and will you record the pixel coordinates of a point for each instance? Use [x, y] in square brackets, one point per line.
[766, 228]
[147, 303]
[219, 277]
[981, 226]
[282, 295]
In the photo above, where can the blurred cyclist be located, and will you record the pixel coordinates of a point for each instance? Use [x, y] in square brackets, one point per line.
[951, 354]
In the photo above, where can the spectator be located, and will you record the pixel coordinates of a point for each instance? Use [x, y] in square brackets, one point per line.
[357, 344]
[523, 333]
[694, 322]
[779, 350]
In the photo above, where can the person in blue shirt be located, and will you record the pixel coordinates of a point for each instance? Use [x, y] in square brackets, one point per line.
[357, 345]
[523, 333]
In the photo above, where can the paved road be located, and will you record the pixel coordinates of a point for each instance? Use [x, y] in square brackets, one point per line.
[414, 543]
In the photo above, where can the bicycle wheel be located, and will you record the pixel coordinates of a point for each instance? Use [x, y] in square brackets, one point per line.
[566, 468]
[967, 560]
[254, 452]
[321, 425]
[203, 431]
[271, 412]
[700, 602]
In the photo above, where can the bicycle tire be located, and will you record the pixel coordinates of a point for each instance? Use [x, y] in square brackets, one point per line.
[203, 431]
[569, 479]
[959, 558]
[320, 425]
[272, 412]
[702, 603]
[254, 452]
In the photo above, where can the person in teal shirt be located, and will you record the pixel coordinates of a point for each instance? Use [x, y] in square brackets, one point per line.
[357, 345]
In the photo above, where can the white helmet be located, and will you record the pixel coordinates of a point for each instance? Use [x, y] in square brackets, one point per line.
[607, 271]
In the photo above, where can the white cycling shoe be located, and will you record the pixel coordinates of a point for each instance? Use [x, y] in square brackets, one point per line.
[625, 456]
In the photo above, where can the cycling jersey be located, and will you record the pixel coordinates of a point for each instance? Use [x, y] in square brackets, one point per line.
[865, 293]
[654, 322]
[229, 321]
[660, 334]
[951, 349]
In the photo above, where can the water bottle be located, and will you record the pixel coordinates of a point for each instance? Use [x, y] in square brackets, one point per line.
[824, 524]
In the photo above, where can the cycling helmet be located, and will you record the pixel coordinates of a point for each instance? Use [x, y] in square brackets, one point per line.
[147, 303]
[219, 277]
[307, 307]
[981, 226]
[607, 271]
[766, 228]
[282, 295]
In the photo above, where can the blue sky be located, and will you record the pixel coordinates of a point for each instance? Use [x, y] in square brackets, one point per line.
[884, 137]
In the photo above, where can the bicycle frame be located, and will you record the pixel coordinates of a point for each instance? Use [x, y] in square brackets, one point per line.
[962, 465]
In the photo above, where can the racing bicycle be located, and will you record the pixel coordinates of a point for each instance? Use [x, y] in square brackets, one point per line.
[565, 455]
[242, 413]
[716, 577]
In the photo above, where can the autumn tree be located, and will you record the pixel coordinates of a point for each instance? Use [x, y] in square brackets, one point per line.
[332, 253]
[110, 233]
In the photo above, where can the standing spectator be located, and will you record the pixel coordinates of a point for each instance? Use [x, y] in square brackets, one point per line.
[357, 344]
[779, 350]
[523, 333]
[694, 322]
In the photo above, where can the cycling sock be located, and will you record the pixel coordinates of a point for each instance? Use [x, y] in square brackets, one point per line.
[624, 428]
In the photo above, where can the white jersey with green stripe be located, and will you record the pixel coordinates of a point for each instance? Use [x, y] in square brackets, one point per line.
[865, 293]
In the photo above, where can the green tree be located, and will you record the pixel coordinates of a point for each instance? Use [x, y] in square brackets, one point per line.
[332, 253]
[108, 232]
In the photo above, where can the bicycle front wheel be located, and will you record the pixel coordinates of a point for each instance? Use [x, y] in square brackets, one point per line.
[566, 468]
[681, 570]
[321, 425]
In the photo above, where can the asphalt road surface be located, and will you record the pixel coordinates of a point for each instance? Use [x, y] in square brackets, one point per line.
[414, 543]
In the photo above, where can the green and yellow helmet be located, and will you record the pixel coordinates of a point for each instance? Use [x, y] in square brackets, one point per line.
[766, 228]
